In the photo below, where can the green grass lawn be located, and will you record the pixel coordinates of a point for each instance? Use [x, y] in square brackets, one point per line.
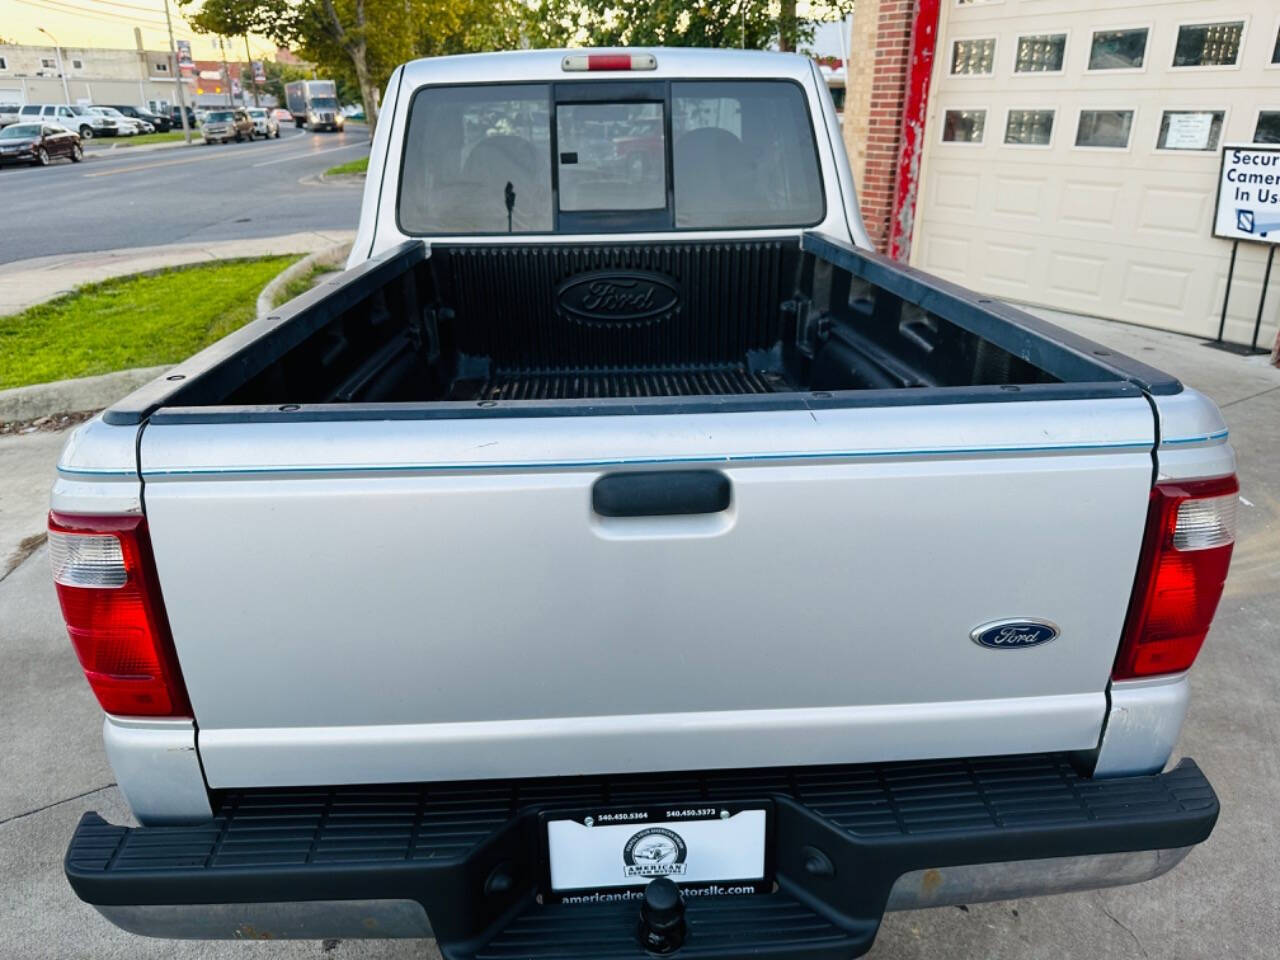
[300, 285]
[137, 321]
[355, 166]
[146, 138]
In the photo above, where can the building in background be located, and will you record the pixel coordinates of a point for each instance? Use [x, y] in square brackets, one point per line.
[214, 86]
[30, 74]
[830, 50]
[1066, 152]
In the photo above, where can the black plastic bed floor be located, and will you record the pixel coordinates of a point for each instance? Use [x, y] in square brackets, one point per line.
[700, 381]
[470, 853]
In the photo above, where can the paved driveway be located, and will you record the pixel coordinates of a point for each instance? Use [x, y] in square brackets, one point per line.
[1224, 901]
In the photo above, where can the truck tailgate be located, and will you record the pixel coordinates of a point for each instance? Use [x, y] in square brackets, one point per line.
[426, 599]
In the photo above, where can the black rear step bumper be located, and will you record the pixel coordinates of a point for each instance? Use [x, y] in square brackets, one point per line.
[468, 854]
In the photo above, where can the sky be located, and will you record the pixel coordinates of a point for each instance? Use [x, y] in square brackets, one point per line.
[110, 23]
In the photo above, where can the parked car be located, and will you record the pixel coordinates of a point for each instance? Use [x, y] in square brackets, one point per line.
[38, 143]
[74, 117]
[264, 125]
[9, 113]
[162, 124]
[125, 126]
[281, 115]
[222, 125]
[578, 545]
[140, 126]
[175, 118]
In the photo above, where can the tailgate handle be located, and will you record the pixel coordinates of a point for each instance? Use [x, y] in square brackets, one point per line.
[661, 493]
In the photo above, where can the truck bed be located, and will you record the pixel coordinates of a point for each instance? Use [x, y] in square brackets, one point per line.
[496, 325]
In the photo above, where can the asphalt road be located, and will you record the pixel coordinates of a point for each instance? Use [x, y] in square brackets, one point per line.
[122, 198]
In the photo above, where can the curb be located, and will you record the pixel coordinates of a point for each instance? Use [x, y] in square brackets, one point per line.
[335, 255]
[19, 404]
[72, 396]
[26, 283]
[342, 178]
[129, 150]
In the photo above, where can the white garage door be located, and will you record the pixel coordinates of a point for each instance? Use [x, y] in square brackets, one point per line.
[1073, 150]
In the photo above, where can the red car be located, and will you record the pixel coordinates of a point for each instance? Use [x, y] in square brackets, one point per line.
[39, 143]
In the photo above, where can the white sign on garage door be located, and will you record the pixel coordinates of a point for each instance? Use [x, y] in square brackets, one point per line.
[1249, 194]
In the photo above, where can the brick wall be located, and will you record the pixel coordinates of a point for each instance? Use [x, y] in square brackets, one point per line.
[857, 101]
[888, 83]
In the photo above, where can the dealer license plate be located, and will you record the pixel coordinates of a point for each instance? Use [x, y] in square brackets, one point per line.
[613, 853]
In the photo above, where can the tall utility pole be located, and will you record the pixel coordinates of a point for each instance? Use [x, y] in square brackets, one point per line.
[226, 71]
[176, 67]
[57, 51]
[142, 67]
[248, 59]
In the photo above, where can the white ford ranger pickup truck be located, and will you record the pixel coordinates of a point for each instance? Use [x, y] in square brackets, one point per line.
[620, 558]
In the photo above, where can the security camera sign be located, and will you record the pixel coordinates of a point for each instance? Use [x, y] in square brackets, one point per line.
[1249, 194]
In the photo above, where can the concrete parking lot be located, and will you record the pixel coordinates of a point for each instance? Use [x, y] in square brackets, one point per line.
[1222, 901]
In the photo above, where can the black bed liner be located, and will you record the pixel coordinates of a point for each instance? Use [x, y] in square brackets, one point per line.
[443, 844]
[729, 314]
[705, 381]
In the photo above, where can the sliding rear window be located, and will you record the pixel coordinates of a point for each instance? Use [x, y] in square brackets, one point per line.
[566, 158]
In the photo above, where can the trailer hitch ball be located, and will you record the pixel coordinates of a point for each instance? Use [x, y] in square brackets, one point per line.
[662, 926]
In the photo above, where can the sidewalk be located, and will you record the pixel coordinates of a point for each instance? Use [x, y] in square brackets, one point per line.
[24, 283]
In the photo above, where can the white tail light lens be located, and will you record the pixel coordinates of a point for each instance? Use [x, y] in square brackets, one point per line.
[1205, 524]
[86, 561]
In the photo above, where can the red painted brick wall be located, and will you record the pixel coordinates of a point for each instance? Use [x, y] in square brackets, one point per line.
[884, 138]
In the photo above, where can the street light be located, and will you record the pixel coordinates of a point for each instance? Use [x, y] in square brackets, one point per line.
[61, 72]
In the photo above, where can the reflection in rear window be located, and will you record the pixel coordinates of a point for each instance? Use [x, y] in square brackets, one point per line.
[473, 151]
[743, 155]
[479, 159]
[612, 156]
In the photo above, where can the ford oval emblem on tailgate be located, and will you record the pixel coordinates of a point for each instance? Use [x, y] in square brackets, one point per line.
[618, 296]
[1014, 634]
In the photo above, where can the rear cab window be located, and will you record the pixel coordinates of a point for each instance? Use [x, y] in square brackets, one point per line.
[616, 157]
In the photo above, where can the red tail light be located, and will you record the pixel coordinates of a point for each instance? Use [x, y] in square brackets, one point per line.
[1191, 529]
[110, 597]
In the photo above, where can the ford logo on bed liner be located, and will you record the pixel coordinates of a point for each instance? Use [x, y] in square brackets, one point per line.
[1014, 634]
[618, 296]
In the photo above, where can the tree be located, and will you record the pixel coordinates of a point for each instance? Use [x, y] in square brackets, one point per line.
[278, 74]
[362, 41]
[787, 25]
[753, 24]
[338, 28]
